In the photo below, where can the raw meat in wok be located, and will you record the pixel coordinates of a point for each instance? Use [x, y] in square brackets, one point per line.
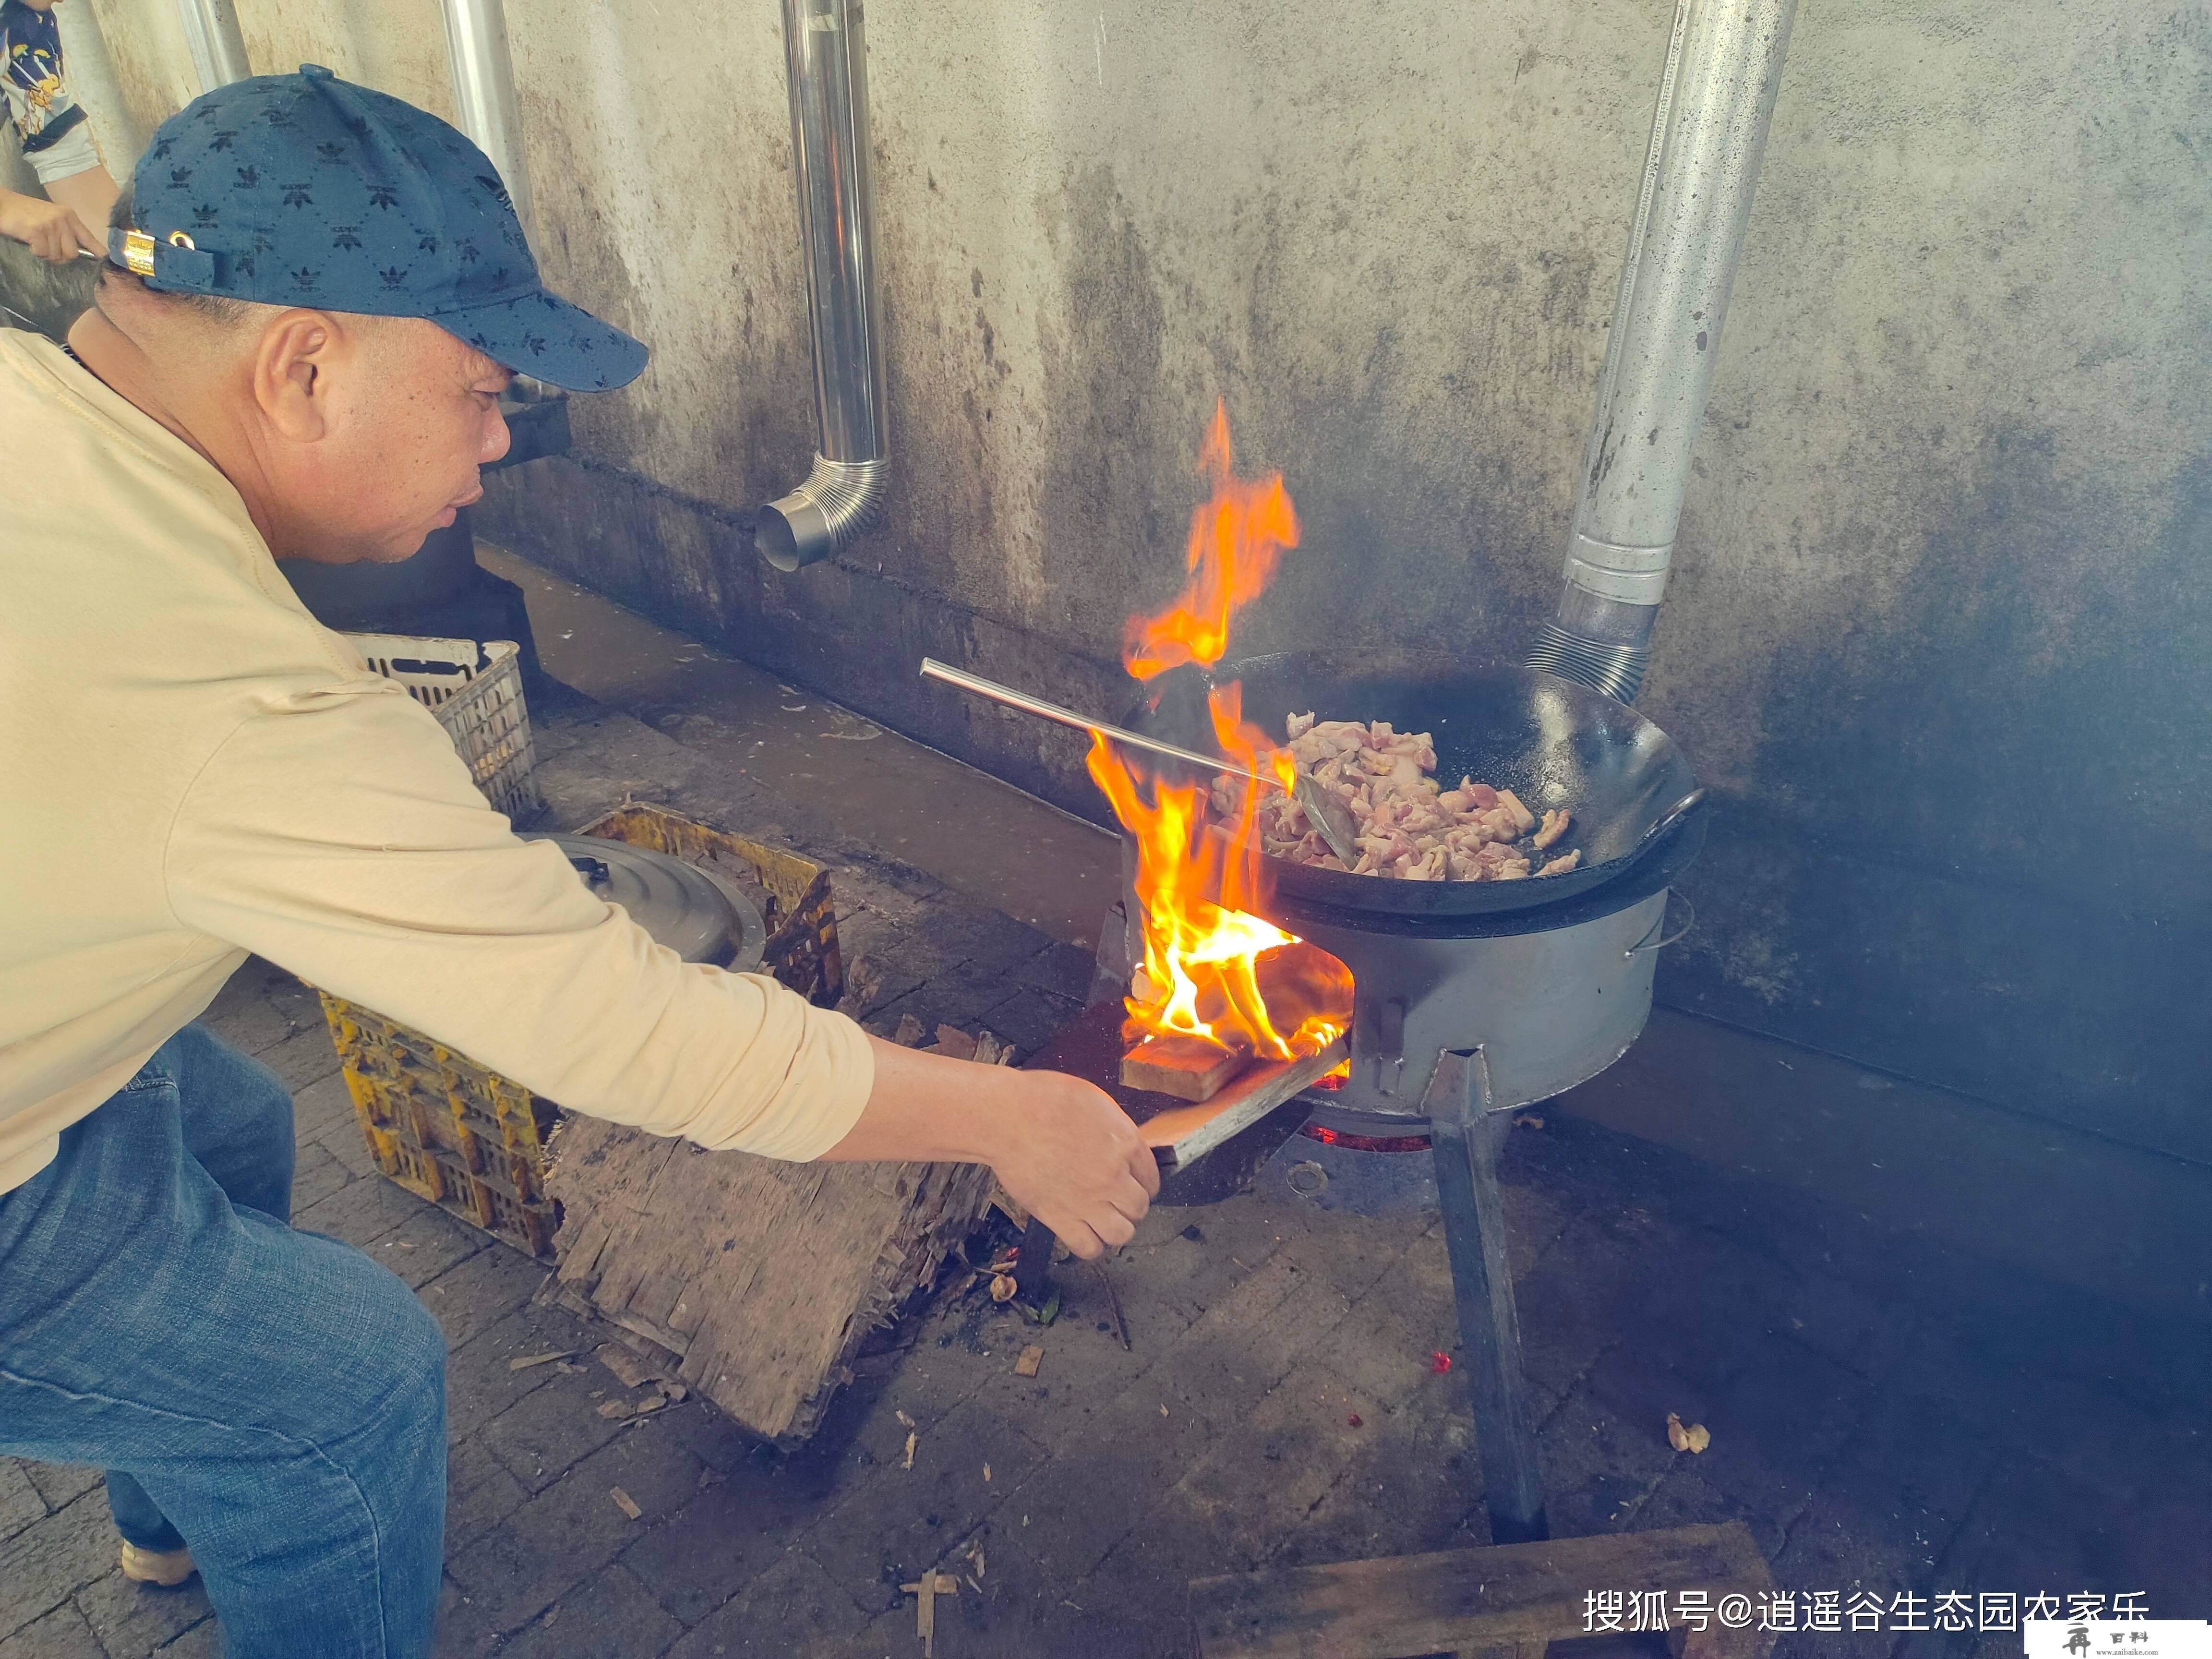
[1411, 827]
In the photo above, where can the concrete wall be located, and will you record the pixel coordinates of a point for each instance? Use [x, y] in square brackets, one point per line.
[1938, 632]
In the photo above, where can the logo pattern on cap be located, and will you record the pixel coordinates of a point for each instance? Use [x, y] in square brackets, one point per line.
[304, 188]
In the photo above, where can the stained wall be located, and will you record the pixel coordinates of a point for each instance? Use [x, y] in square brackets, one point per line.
[1938, 632]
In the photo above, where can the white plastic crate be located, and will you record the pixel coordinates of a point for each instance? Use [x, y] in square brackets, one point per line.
[481, 709]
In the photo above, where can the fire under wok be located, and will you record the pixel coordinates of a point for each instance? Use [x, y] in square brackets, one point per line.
[1553, 743]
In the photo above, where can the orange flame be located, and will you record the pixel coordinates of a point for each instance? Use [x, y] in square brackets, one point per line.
[1211, 969]
[1236, 539]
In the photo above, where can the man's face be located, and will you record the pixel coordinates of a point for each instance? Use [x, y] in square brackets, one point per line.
[413, 413]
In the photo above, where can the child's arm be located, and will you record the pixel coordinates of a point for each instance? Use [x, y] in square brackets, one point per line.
[57, 141]
[88, 194]
[51, 230]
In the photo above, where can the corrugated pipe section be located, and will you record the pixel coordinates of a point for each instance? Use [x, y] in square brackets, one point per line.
[842, 498]
[1708, 135]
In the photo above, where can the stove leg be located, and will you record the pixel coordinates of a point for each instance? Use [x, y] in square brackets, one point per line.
[1458, 1107]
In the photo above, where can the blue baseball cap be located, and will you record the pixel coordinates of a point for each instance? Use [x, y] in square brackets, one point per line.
[305, 189]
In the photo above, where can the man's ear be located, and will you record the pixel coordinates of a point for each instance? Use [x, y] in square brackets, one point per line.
[292, 371]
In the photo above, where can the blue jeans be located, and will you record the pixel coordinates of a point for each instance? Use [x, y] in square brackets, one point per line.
[272, 1399]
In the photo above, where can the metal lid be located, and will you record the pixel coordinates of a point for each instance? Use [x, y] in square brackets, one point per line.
[684, 906]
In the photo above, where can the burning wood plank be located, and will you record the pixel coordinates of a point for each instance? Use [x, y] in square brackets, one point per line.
[1090, 1047]
[1173, 1063]
[1182, 1134]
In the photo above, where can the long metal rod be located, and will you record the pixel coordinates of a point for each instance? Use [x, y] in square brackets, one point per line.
[842, 499]
[483, 93]
[934, 670]
[1708, 136]
[1457, 1102]
[1330, 817]
[218, 49]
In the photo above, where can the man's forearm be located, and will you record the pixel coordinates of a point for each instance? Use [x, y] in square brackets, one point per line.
[1060, 1146]
[932, 1109]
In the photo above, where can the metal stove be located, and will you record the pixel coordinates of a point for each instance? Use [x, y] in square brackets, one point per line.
[1550, 996]
[1463, 1012]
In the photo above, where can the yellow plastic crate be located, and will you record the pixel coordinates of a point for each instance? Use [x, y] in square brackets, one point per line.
[474, 1142]
[802, 921]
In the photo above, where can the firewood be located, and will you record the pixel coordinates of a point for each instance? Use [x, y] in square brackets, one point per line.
[1090, 1047]
[1007, 1205]
[782, 1269]
[1188, 1068]
[633, 1372]
[863, 984]
[926, 1589]
[1529, 1595]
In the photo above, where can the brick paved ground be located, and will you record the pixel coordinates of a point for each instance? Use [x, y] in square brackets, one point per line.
[1887, 1417]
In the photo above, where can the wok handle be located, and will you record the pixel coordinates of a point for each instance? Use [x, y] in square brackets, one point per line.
[1647, 942]
[1673, 815]
[933, 670]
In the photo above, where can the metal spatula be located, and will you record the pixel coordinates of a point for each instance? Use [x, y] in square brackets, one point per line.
[1327, 815]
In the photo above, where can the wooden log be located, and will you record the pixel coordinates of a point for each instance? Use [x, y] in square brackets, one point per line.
[1514, 1597]
[751, 1281]
[1190, 1068]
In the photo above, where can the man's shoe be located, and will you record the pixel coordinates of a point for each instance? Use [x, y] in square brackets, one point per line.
[166, 1567]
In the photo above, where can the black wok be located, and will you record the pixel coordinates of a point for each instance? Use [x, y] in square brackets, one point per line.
[1551, 741]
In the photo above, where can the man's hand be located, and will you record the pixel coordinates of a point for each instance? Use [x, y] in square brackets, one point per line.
[1064, 1151]
[1072, 1159]
[47, 228]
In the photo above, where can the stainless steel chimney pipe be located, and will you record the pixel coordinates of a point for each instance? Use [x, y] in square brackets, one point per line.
[483, 93]
[218, 49]
[842, 498]
[1715, 99]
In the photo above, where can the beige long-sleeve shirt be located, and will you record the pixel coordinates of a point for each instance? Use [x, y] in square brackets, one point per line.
[192, 768]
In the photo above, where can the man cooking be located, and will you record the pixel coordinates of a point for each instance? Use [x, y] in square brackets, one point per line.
[316, 294]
